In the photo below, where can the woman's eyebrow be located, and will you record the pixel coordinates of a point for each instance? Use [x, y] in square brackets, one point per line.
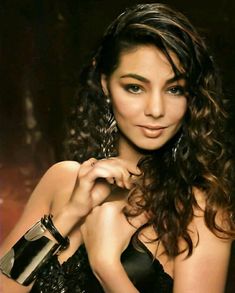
[144, 79]
[136, 76]
[176, 78]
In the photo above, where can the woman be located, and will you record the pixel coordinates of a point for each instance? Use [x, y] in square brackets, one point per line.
[150, 208]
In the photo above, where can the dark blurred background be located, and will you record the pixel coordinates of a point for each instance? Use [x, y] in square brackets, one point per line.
[43, 44]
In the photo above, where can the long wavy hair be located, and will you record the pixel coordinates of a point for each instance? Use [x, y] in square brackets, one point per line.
[203, 159]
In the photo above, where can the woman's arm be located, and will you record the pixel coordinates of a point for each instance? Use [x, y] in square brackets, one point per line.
[56, 185]
[57, 182]
[106, 234]
[205, 270]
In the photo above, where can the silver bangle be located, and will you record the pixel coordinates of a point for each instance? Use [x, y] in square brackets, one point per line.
[24, 260]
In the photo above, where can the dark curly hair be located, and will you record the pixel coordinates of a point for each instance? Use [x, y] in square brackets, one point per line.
[203, 159]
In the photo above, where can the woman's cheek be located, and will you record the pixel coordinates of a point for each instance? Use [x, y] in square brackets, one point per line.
[177, 112]
[127, 107]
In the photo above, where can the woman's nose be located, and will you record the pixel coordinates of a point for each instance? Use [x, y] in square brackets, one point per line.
[155, 105]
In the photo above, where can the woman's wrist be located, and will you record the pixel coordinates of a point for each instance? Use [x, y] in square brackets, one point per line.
[100, 264]
[67, 219]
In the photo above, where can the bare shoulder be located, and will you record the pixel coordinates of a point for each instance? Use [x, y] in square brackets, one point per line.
[205, 270]
[65, 166]
[61, 170]
[62, 176]
[58, 178]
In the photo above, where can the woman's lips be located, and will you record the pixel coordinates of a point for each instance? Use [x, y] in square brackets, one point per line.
[151, 131]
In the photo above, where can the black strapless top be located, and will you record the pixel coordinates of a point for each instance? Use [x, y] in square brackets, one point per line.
[75, 275]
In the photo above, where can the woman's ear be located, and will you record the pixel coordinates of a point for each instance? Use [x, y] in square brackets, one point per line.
[104, 84]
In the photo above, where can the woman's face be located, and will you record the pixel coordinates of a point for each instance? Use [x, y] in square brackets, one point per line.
[148, 102]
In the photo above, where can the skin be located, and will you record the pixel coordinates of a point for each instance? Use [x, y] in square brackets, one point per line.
[85, 207]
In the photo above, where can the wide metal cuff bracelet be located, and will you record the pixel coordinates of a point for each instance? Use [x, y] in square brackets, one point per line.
[26, 257]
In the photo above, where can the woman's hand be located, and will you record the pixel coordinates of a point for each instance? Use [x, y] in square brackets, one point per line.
[106, 233]
[94, 179]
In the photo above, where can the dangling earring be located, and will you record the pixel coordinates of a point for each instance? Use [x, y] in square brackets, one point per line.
[175, 148]
[109, 132]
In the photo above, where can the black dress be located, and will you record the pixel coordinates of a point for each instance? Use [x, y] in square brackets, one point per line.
[75, 275]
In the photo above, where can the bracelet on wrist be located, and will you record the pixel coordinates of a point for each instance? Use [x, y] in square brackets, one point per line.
[49, 225]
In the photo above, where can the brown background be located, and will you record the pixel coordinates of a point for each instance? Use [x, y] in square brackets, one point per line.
[43, 44]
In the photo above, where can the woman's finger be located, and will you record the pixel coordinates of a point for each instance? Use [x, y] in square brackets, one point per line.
[86, 166]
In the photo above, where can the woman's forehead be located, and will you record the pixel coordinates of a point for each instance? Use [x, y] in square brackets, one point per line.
[146, 56]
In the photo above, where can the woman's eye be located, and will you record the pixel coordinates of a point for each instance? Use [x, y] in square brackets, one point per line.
[133, 88]
[176, 90]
